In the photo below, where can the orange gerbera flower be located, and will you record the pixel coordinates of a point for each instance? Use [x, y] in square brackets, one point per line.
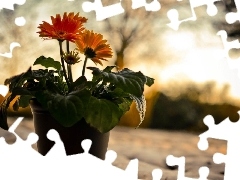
[93, 46]
[67, 28]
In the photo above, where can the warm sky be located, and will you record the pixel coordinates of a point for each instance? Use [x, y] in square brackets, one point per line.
[199, 61]
[203, 63]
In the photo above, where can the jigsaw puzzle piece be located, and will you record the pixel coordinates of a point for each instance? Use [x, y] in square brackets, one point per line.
[86, 145]
[157, 174]
[211, 7]
[13, 155]
[110, 156]
[19, 21]
[232, 17]
[131, 170]
[58, 149]
[216, 131]
[228, 45]
[233, 144]
[3, 148]
[219, 158]
[23, 148]
[32, 139]
[173, 14]
[203, 143]
[101, 11]
[12, 46]
[231, 169]
[203, 173]
[9, 4]
[180, 162]
[14, 126]
[153, 6]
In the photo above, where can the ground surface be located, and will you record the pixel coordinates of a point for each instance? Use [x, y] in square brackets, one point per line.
[151, 147]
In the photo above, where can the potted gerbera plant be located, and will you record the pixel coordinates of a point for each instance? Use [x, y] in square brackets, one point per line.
[78, 109]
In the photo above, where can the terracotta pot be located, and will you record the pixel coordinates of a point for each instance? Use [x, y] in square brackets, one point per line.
[71, 136]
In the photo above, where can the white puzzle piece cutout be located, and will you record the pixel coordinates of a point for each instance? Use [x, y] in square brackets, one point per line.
[19, 21]
[20, 156]
[101, 11]
[232, 17]
[56, 164]
[9, 4]
[230, 132]
[12, 46]
[173, 14]
[180, 162]
[153, 6]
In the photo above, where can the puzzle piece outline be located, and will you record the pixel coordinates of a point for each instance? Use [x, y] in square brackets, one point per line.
[173, 14]
[102, 12]
[232, 17]
[233, 144]
[19, 21]
[9, 4]
[22, 149]
[217, 157]
[180, 162]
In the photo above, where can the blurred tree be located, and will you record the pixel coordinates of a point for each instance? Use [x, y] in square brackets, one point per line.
[133, 36]
[187, 110]
[133, 28]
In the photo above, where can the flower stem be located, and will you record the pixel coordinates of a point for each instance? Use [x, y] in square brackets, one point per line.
[63, 65]
[84, 66]
[69, 67]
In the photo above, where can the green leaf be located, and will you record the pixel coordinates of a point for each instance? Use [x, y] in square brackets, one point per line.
[14, 83]
[18, 80]
[41, 73]
[102, 114]
[67, 110]
[150, 81]
[125, 105]
[24, 100]
[129, 81]
[121, 98]
[97, 71]
[109, 68]
[51, 86]
[48, 62]
[21, 91]
[79, 83]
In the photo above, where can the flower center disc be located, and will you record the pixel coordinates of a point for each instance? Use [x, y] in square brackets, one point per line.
[89, 52]
[61, 33]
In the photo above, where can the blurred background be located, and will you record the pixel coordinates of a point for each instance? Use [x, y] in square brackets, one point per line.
[192, 77]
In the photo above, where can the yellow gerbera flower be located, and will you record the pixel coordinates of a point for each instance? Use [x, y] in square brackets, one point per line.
[71, 57]
[93, 46]
[67, 28]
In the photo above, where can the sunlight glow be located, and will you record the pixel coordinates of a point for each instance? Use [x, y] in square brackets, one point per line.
[180, 41]
[200, 59]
